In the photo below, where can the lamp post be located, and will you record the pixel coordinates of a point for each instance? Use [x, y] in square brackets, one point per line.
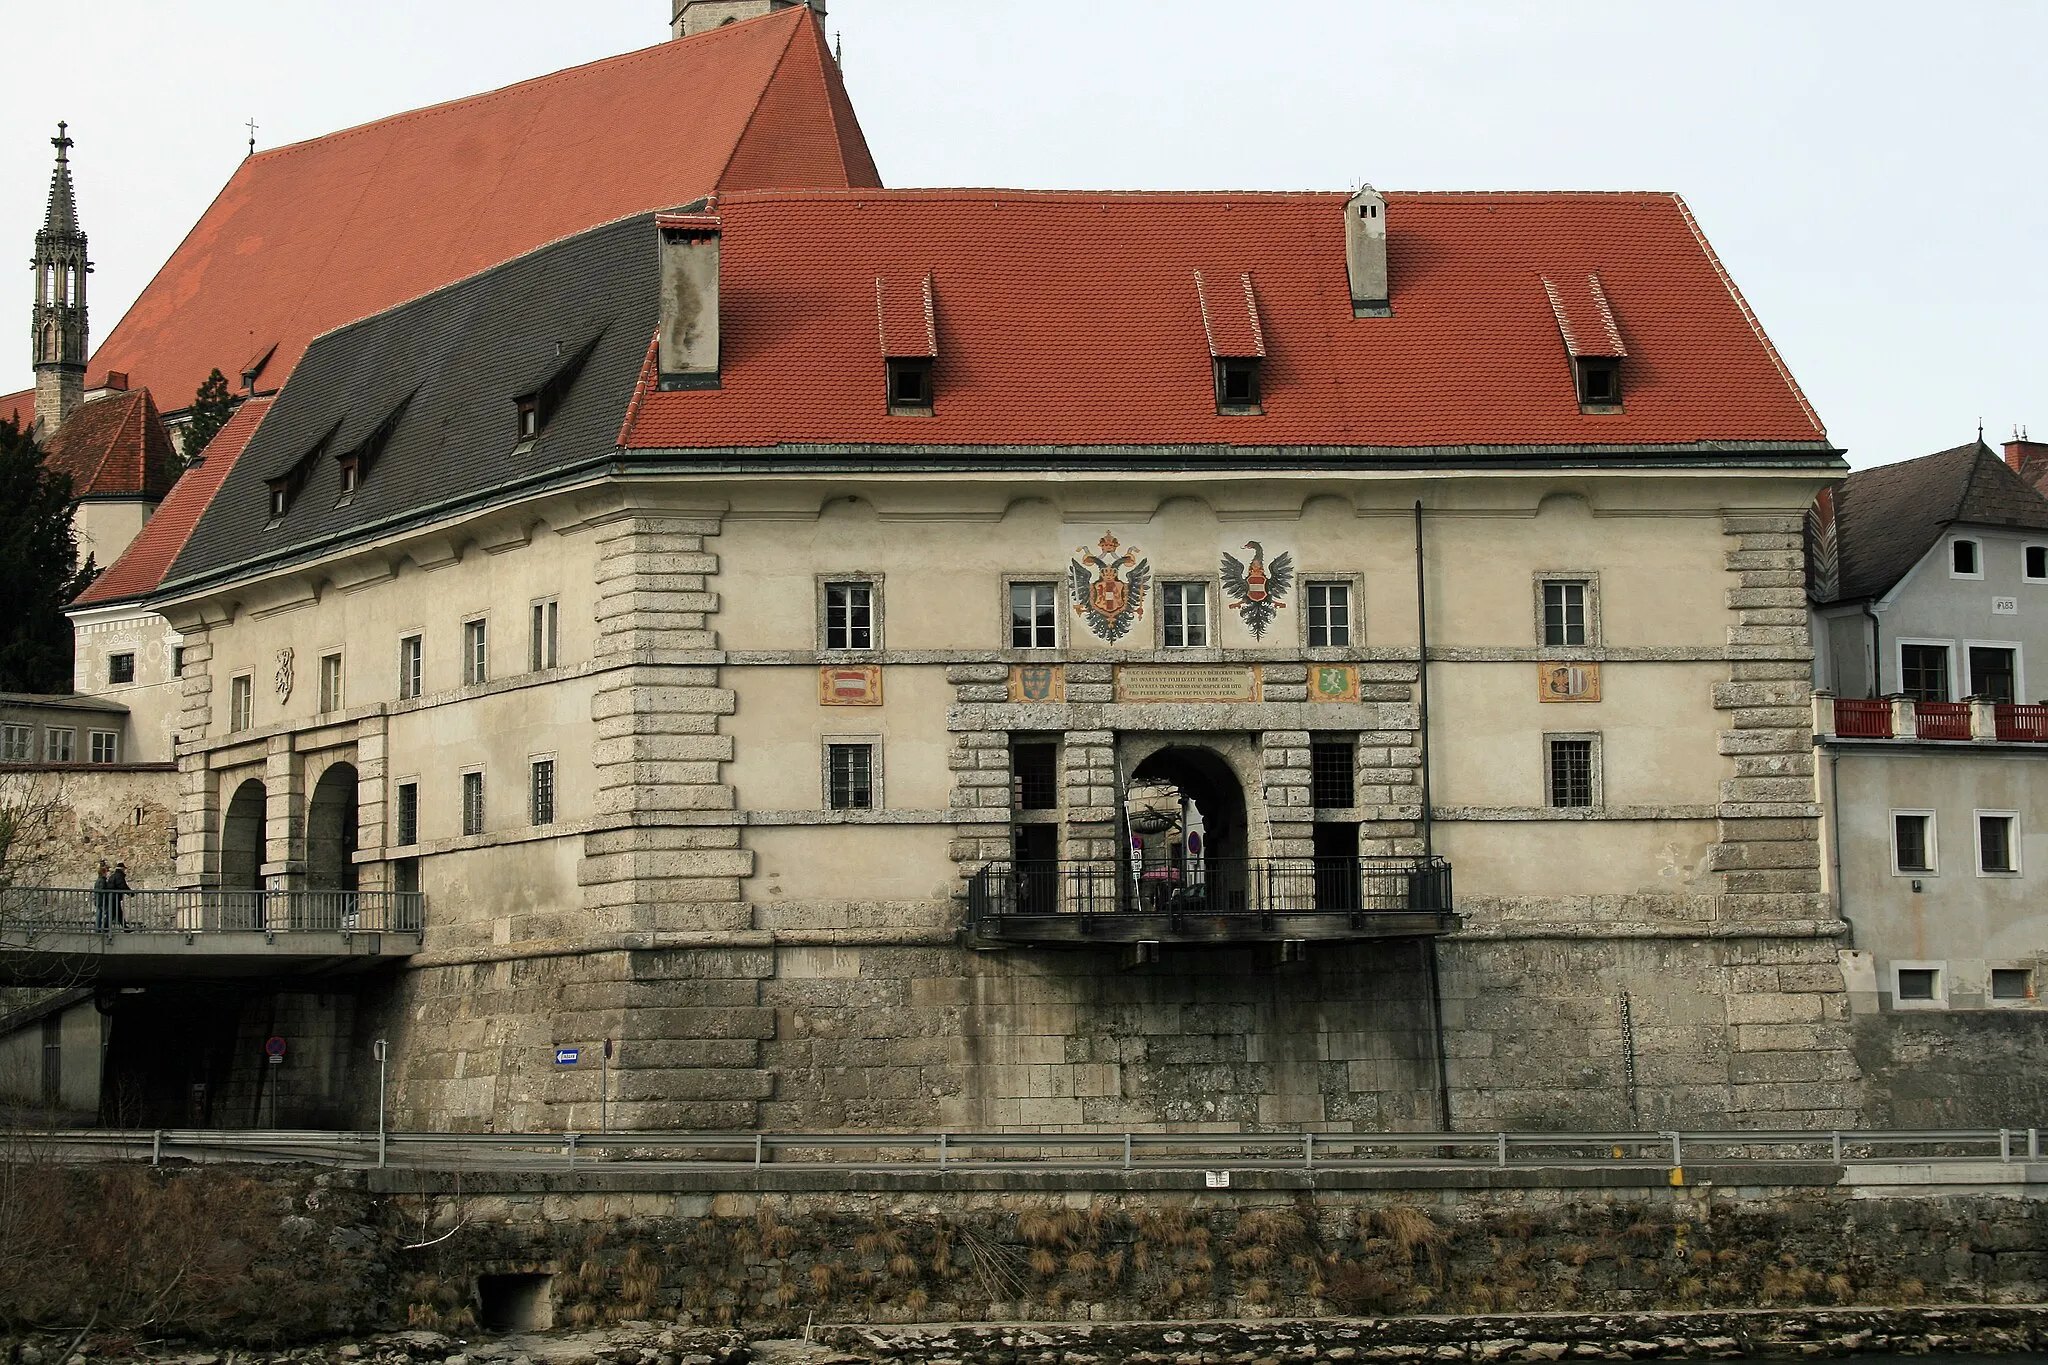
[381, 1050]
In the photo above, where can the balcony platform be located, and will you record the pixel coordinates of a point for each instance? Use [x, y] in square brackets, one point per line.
[1300, 900]
[66, 934]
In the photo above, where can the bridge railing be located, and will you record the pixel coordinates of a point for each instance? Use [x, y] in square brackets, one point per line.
[68, 910]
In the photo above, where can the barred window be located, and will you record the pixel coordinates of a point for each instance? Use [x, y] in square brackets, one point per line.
[472, 803]
[1333, 764]
[849, 616]
[850, 773]
[1329, 615]
[1033, 616]
[408, 814]
[120, 668]
[542, 803]
[1036, 768]
[1571, 772]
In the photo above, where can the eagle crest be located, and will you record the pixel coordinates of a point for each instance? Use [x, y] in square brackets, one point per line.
[1109, 588]
[1256, 589]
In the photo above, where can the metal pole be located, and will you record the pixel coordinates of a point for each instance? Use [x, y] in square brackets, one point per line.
[1422, 680]
[604, 1087]
[383, 1051]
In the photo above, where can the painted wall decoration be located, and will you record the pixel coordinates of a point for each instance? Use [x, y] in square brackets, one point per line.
[850, 685]
[1568, 682]
[1333, 682]
[1109, 588]
[1037, 682]
[1256, 589]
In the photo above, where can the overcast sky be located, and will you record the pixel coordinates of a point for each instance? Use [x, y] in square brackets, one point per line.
[1869, 170]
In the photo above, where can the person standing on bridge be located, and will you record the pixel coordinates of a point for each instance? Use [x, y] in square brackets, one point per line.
[117, 889]
[102, 900]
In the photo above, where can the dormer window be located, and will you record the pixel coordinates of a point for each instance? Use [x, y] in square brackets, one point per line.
[910, 387]
[535, 407]
[1237, 386]
[529, 417]
[351, 476]
[280, 499]
[1599, 383]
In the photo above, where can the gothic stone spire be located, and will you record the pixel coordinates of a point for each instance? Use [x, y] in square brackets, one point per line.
[58, 333]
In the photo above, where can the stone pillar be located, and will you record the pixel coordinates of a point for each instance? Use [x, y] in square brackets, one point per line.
[1290, 807]
[198, 794]
[1090, 777]
[284, 815]
[659, 753]
[1768, 851]
[373, 771]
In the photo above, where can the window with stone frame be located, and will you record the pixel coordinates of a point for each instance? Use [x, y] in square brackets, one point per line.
[1184, 615]
[1571, 771]
[241, 701]
[850, 776]
[1035, 774]
[120, 668]
[473, 803]
[408, 814]
[1328, 605]
[476, 656]
[1565, 617]
[544, 639]
[330, 683]
[1034, 615]
[850, 614]
[412, 655]
[541, 792]
[1333, 772]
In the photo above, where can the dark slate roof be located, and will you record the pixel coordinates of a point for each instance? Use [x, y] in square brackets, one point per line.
[1888, 518]
[450, 365]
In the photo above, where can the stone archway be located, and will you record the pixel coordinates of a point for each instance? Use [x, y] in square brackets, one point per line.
[1189, 828]
[241, 838]
[331, 831]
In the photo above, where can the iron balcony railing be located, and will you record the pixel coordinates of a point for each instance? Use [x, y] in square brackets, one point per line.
[1212, 899]
[69, 910]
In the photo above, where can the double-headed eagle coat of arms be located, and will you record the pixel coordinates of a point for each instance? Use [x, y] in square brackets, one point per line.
[1109, 588]
[1255, 589]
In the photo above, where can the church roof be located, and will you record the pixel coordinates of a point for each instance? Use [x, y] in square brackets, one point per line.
[148, 557]
[1886, 519]
[1077, 319]
[115, 447]
[308, 237]
[1064, 331]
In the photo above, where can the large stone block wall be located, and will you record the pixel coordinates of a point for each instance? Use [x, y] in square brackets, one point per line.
[119, 814]
[1955, 1068]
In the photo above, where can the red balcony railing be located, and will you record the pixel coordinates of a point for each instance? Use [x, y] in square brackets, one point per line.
[2022, 724]
[1863, 719]
[1941, 719]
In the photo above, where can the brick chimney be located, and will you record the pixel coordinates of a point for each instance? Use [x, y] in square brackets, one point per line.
[2029, 459]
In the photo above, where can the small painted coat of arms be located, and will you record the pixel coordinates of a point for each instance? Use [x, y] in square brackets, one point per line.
[850, 685]
[1037, 682]
[1332, 682]
[1109, 588]
[1255, 589]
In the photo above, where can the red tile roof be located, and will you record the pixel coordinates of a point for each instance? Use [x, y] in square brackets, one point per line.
[143, 565]
[115, 446]
[1072, 319]
[308, 237]
[908, 318]
[1583, 318]
[1230, 324]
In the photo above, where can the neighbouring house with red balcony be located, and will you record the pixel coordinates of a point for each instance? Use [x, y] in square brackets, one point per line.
[1928, 582]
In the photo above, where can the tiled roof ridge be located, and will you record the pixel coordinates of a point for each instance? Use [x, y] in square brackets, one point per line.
[739, 143]
[504, 91]
[650, 377]
[978, 193]
[1755, 324]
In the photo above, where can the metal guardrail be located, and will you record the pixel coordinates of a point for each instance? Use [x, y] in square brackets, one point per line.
[74, 910]
[946, 1151]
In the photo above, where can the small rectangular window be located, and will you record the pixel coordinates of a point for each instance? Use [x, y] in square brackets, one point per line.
[106, 746]
[2012, 983]
[476, 660]
[18, 744]
[1923, 672]
[177, 661]
[1964, 558]
[1919, 983]
[330, 683]
[1564, 614]
[241, 699]
[60, 746]
[1912, 842]
[1599, 382]
[850, 776]
[472, 803]
[1186, 615]
[1994, 674]
[351, 474]
[1329, 615]
[543, 648]
[1034, 616]
[408, 832]
[2037, 563]
[1237, 386]
[1333, 773]
[412, 656]
[120, 668]
[910, 388]
[849, 616]
[1997, 851]
[1571, 773]
[529, 417]
[1036, 770]
[542, 802]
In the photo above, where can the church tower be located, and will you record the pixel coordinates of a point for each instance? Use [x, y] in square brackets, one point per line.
[701, 16]
[59, 327]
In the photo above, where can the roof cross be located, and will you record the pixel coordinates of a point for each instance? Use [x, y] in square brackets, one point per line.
[62, 142]
[252, 126]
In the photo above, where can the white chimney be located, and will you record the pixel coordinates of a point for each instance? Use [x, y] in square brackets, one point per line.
[1365, 253]
[687, 348]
